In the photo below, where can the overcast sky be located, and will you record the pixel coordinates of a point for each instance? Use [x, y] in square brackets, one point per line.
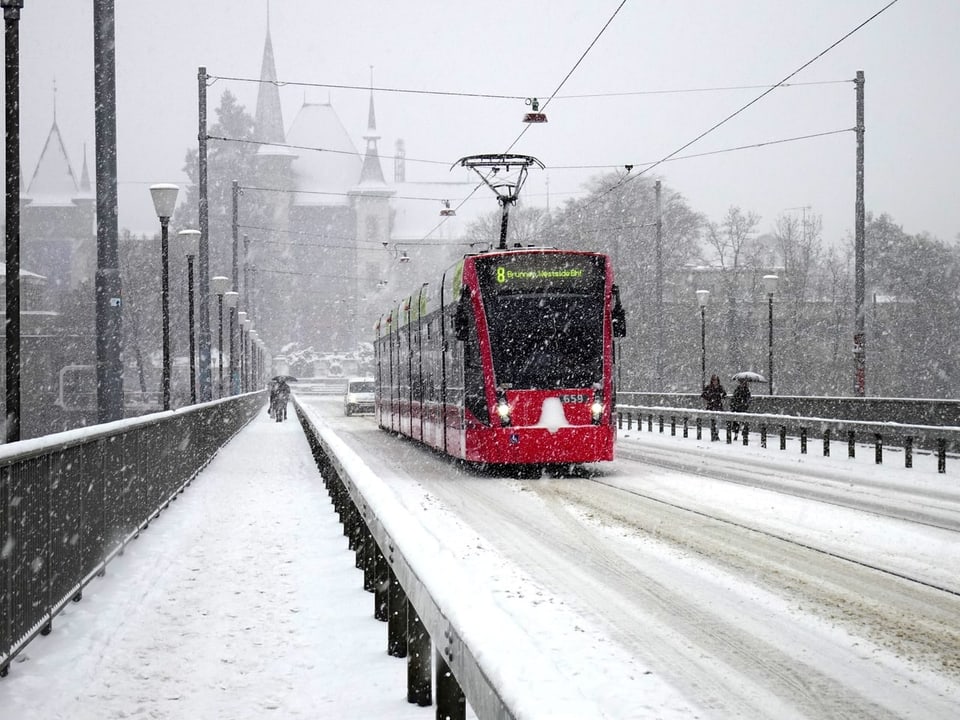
[526, 48]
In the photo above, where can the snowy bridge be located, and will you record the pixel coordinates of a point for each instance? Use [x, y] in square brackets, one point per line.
[75, 501]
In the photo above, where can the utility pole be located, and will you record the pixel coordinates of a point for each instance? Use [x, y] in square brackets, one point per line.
[859, 336]
[203, 264]
[108, 282]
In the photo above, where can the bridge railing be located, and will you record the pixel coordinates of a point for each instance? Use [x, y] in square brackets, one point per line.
[914, 411]
[71, 501]
[937, 439]
[426, 599]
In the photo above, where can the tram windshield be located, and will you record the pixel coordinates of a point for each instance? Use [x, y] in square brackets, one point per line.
[545, 318]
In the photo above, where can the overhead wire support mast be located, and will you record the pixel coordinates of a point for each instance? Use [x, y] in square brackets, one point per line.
[506, 192]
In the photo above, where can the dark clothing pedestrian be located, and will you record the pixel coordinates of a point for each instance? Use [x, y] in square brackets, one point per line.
[713, 394]
[740, 401]
[280, 400]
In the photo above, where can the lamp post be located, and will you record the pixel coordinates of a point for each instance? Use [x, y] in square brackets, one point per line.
[703, 297]
[220, 284]
[190, 242]
[11, 19]
[164, 201]
[230, 299]
[770, 283]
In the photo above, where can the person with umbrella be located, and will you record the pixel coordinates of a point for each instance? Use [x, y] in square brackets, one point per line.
[279, 396]
[740, 401]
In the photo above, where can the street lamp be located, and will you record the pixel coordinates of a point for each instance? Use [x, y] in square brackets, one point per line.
[164, 201]
[190, 242]
[220, 284]
[230, 299]
[703, 297]
[770, 283]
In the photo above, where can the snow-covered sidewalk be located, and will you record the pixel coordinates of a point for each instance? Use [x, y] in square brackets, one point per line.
[240, 601]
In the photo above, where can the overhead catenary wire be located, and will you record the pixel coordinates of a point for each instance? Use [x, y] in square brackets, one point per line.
[543, 107]
[500, 96]
[743, 108]
[554, 193]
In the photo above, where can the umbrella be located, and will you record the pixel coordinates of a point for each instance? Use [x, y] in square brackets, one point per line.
[284, 378]
[749, 376]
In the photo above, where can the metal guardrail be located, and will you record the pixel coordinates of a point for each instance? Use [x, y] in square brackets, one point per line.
[914, 411]
[936, 438]
[498, 681]
[71, 501]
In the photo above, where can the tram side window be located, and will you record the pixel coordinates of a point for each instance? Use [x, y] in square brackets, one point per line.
[430, 363]
[417, 364]
[453, 357]
[475, 397]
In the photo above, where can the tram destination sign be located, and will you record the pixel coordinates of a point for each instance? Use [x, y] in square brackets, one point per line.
[540, 272]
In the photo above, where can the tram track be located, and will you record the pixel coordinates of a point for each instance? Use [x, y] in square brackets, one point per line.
[872, 508]
[929, 508]
[744, 622]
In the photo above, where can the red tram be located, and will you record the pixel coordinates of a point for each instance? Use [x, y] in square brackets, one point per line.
[509, 359]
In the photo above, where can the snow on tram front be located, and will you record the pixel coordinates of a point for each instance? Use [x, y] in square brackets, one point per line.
[509, 359]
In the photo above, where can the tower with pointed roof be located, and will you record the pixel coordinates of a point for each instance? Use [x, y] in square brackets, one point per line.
[58, 210]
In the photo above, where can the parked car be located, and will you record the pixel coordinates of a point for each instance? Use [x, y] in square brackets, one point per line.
[359, 396]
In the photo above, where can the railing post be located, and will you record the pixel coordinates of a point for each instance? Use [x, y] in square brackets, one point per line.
[451, 703]
[673, 425]
[763, 436]
[686, 426]
[941, 455]
[418, 660]
[826, 442]
[878, 448]
[746, 433]
[369, 560]
[851, 443]
[650, 422]
[397, 620]
[630, 420]
[699, 428]
[783, 437]
[729, 429]
[908, 452]
[660, 423]
[381, 589]
[803, 441]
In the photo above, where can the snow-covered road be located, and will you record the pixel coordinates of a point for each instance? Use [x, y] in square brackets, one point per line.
[685, 580]
[751, 582]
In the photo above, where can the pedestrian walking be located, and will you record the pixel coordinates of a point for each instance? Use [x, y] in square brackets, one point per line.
[740, 402]
[713, 394]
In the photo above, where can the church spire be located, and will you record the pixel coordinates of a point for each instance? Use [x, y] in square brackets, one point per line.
[268, 121]
[84, 173]
[371, 172]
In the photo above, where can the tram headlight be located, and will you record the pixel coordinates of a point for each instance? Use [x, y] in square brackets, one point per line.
[596, 411]
[503, 407]
[503, 410]
[596, 407]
